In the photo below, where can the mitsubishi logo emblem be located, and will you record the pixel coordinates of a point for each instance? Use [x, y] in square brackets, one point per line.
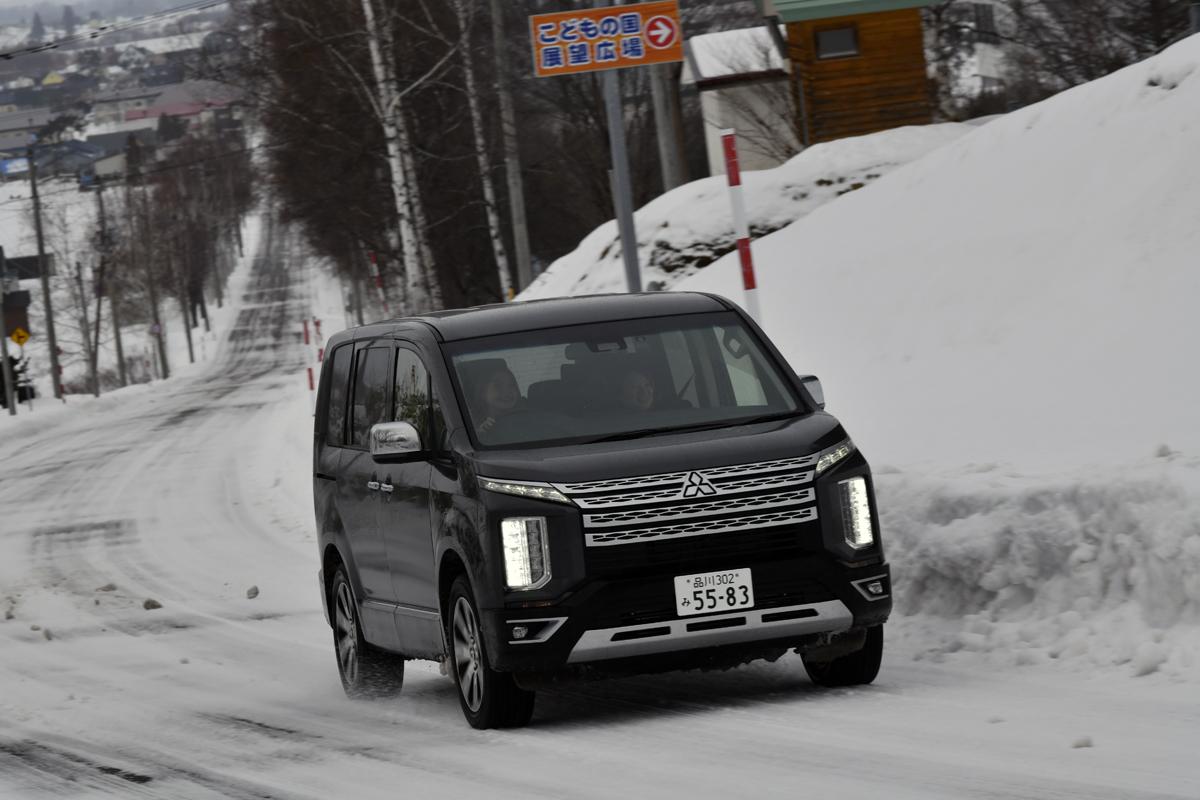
[698, 486]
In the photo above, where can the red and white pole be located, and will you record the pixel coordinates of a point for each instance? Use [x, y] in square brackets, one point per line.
[741, 227]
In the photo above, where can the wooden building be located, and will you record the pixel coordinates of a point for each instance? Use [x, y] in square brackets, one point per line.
[858, 66]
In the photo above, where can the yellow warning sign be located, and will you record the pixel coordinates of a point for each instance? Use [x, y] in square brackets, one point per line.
[20, 336]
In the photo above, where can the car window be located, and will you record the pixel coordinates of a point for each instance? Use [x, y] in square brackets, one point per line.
[370, 392]
[586, 382]
[339, 390]
[412, 393]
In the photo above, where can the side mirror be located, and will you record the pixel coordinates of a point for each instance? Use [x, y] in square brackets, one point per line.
[813, 384]
[394, 441]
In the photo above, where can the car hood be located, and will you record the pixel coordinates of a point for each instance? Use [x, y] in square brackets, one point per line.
[739, 444]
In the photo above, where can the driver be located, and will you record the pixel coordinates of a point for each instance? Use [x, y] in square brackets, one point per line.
[499, 397]
[637, 391]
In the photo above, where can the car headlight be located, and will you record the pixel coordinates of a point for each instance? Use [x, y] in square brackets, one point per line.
[536, 491]
[830, 456]
[856, 513]
[526, 552]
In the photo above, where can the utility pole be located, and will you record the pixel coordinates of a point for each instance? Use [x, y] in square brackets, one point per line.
[51, 338]
[622, 184]
[668, 122]
[106, 286]
[10, 394]
[151, 287]
[512, 152]
[85, 326]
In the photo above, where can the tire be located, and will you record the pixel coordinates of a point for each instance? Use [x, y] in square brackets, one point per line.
[365, 670]
[856, 669]
[489, 699]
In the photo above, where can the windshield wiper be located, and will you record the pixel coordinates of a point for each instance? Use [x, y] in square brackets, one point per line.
[642, 433]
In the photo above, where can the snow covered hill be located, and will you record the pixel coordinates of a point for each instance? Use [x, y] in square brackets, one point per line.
[1026, 294]
[689, 228]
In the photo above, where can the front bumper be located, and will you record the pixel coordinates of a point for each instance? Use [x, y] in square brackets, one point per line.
[799, 602]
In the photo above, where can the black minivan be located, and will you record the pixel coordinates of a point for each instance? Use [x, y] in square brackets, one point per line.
[587, 487]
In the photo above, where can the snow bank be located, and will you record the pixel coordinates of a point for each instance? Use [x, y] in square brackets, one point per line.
[1026, 294]
[1101, 570]
[689, 228]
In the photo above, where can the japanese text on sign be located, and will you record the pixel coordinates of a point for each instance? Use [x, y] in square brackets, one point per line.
[606, 38]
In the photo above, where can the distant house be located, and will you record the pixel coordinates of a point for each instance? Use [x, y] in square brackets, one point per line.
[53, 79]
[67, 158]
[117, 142]
[25, 122]
[119, 106]
[859, 65]
[193, 99]
[743, 82]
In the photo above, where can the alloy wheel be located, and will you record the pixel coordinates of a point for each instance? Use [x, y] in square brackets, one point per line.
[468, 654]
[346, 634]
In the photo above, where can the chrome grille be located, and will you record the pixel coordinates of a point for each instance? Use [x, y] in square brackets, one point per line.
[718, 500]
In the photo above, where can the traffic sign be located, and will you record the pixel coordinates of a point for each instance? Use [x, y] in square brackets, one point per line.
[20, 336]
[615, 37]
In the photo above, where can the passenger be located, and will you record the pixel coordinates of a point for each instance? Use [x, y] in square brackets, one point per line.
[637, 391]
[499, 397]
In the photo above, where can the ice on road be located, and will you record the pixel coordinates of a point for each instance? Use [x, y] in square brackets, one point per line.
[194, 491]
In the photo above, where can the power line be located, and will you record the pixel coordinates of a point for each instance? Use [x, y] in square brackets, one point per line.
[108, 30]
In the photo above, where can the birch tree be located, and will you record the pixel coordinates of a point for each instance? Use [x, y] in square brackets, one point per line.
[466, 18]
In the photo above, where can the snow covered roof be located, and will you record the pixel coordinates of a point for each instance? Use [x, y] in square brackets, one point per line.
[167, 44]
[746, 51]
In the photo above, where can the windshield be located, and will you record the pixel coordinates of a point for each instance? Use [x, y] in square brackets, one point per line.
[617, 380]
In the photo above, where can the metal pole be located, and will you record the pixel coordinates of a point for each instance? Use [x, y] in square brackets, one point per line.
[670, 154]
[10, 394]
[512, 153]
[621, 180]
[51, 338]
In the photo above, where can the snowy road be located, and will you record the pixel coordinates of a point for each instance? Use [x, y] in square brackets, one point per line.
[191, 493]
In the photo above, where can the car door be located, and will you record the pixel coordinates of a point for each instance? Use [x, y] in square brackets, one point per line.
[404, 518]
[358, 487]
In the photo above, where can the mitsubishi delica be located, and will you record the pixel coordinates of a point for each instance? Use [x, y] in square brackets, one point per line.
[587, 487]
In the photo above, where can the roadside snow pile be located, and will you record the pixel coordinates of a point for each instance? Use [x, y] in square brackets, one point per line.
[1026, 294]
[1101, 572]
[689, 228]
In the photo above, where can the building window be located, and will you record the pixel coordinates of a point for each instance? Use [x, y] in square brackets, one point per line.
[837, 42]
[992, 86]
[985, 24]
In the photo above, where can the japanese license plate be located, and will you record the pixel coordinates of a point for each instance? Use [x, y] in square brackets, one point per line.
[713, 591]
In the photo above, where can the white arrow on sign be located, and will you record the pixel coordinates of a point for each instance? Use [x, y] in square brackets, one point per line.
[662, 32]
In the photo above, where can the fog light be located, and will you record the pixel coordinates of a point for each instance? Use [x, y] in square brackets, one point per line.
[526, 553]
[856, 513]
[875, 588]
[520, 632]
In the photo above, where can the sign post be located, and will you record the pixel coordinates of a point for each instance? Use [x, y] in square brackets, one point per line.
[741, 227]
[608, 39]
